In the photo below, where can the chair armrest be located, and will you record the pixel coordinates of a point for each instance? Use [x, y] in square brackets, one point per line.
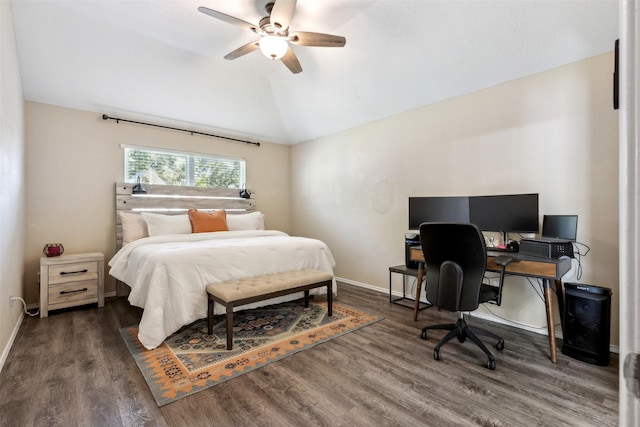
[503, 260]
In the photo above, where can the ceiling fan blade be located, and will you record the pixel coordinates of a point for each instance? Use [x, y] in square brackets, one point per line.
[243, 50]
[226, 18]
[316, 39]
[282, 13]
[291, 61]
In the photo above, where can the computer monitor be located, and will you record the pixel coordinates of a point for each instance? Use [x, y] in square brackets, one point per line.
[510, 213]
[560, 226]
[437, 209]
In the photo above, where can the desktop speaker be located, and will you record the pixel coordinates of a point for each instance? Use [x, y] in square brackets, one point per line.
[586, 321]
[410, 240]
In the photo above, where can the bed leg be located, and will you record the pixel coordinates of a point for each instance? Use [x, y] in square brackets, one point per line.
[330, 298]
[210, 316]
[229, 328]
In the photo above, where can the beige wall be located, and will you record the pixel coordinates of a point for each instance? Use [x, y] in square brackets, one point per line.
[74, 158]
[12, 187]
[553, 133]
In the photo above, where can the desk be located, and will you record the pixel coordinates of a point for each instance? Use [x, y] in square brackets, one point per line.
[550, 270]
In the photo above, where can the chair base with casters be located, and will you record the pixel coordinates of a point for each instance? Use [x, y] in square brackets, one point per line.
[461, 330]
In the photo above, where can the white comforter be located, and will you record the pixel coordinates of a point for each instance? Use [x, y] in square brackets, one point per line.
[168, 274]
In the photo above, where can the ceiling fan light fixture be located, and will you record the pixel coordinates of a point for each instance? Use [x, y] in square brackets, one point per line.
[273, 47]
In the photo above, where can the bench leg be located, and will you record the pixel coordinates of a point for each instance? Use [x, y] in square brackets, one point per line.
[306, 299]
[210, 316]
[229, 328]
[330, 298]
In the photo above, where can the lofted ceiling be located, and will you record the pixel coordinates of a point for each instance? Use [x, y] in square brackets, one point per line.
[162, 60]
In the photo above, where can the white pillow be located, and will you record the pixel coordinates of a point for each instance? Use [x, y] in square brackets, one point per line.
[134, 227]
[159, 224]
[250, 221]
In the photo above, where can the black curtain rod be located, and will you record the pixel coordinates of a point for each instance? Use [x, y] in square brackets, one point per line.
[192, 132]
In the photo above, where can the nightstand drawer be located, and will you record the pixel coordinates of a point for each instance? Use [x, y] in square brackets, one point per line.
[73, 292]
[74, 272]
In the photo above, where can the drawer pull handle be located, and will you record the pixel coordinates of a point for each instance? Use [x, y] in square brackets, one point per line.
[74, 272]
[71, 292]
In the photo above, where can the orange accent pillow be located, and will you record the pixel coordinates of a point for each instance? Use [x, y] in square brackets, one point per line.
[204, 222]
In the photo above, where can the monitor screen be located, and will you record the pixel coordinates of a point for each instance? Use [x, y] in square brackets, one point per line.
[517, 213]
[437, 209]
[560, 226]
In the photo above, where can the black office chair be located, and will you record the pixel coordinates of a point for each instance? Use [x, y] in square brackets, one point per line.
[455, 259]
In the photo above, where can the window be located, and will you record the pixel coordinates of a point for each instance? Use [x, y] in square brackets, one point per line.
[155, 166]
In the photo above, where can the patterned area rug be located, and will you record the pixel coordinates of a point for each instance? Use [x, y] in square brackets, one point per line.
[191, 360]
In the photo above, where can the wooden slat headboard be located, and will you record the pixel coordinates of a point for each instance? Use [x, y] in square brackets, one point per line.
[176, 199]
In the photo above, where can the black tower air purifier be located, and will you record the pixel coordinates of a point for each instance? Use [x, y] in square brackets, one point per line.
[586, 320]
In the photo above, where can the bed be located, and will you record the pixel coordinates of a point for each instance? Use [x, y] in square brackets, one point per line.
[166, 267]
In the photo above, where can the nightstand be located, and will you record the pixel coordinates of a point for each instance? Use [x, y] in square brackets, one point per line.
[71, 280]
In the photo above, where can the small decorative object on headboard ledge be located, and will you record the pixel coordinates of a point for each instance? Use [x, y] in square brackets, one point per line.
[53, 249]
[139, 188]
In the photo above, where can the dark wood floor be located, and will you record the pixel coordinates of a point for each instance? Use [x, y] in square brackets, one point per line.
[73, 369]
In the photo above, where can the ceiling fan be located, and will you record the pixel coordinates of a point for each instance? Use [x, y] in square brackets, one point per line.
[275, 36]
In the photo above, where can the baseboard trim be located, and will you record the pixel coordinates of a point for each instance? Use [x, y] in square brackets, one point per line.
[12, 338]
[484, 316]
[375, 288]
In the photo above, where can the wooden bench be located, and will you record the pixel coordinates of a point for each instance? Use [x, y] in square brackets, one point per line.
[237, 292]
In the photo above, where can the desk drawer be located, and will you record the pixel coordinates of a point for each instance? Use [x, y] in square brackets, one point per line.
[73, 272]
[73, 293]
[540, 269]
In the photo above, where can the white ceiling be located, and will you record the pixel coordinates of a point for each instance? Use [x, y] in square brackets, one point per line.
[162, 60]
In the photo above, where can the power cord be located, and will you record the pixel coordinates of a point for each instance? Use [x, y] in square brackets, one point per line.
[578, 256]
[537, 287]
[414, 282]
[24, 305]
